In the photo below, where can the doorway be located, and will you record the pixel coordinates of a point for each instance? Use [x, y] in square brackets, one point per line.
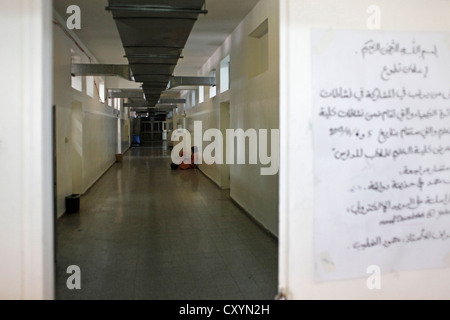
[224, 125]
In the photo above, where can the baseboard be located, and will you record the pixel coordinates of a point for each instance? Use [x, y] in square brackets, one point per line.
[96, 180]
[248, 214]
[255, 221]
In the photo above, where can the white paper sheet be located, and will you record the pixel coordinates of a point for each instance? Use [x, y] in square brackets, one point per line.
[381, 129]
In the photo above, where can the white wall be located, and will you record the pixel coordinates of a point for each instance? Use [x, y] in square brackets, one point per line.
[296, 178]
[99, 127]
[254, 103]
[26, 214]
[125, 126]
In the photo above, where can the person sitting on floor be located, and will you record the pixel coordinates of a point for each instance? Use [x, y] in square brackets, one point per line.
[189, 163]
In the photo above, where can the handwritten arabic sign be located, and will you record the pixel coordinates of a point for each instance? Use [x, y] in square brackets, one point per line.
[381, 123]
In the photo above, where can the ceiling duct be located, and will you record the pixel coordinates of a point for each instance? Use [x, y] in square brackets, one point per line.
[126, 93]
[80, 69]
[153, 34]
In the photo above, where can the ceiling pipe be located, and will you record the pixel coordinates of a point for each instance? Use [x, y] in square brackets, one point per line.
[121, 70]
[191, 81]
[154, 33]
[161, 102]
[172, 101]
[153, 8]
[126, 94]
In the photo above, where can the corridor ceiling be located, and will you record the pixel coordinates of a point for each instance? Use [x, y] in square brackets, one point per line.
[153, 40]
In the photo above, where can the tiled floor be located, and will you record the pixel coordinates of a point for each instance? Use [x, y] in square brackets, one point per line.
[146, 232]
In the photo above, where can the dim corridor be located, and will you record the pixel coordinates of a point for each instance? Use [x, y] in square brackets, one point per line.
[147, 232]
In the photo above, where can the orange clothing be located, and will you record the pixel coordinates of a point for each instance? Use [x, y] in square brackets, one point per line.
[189, 163]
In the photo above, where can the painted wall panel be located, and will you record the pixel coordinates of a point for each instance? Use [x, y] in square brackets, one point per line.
[99, 127]
[254, 104]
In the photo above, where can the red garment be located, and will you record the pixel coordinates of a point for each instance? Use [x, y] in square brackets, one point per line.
[189, 163]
